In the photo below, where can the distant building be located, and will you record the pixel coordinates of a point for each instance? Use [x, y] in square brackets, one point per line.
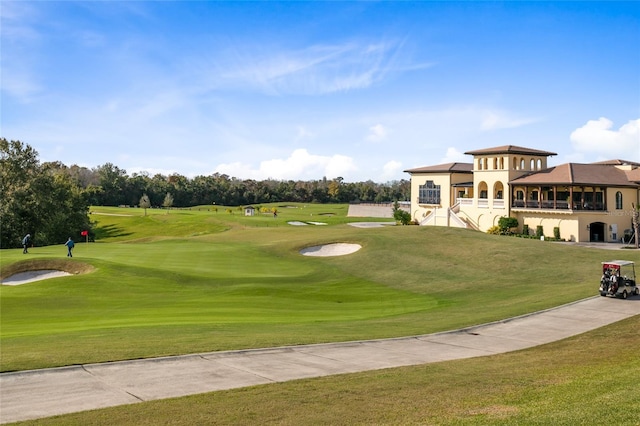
[249, 211]
[587, 202]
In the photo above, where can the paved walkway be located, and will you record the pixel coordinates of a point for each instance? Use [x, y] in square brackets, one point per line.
[42, 393]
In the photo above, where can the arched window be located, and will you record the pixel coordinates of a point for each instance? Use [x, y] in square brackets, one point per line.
[501, 163]
[532, 164]
[495, 163]
[498, 191]
[515, 163]
[522, 164]
[618, 200]
[479, 163]
[539, 164]
[483, 190]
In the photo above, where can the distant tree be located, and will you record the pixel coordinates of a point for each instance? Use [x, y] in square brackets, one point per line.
[145, 203]
[168, 201]
[334, 188]
[113, 181]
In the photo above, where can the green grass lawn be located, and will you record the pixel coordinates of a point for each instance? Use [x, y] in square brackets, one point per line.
[590, 379]
[199, 280]
[184, 281]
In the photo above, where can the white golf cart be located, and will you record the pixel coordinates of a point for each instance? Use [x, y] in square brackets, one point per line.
[618, 279]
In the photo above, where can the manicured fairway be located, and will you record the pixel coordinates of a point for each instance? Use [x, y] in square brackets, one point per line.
[200, 280]
[570, 382]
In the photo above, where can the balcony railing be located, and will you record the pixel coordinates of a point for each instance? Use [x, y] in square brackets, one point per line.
[559, 205]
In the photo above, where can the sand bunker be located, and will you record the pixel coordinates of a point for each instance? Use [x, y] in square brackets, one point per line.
[337, 249]
[31, 276]
[371, 224]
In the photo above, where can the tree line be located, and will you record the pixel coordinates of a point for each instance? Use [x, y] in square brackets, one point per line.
[51, 198]
[109, 185]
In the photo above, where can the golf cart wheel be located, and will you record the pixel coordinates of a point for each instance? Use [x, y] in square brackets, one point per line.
[637, 291]
[624, 294]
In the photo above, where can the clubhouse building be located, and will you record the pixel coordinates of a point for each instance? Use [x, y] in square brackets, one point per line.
[586, 202]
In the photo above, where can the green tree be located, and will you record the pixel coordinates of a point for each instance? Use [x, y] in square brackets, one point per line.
[37, 199]
[402, 216]
[145, 203]
[113, 181]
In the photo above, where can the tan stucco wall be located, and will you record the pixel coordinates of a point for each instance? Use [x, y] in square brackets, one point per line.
[445, 180]
[576, 227]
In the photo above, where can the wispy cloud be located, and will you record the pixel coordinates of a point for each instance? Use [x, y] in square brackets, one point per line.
[314, 70]
[495, 119]
[377, 133]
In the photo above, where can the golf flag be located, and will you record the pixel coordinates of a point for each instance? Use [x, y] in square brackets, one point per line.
[84, 233]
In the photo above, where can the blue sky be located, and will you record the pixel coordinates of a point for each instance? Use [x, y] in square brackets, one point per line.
[297, 90]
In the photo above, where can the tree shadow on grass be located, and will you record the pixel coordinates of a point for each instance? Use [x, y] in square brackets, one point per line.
[109, 231]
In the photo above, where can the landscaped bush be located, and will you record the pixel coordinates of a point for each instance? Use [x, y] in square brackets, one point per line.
[506, 224]
[556, 233]
[525, 229]
[539, 231]
[494, 230]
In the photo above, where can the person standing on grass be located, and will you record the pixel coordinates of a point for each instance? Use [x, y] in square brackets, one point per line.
[70, 244]
[25, 243]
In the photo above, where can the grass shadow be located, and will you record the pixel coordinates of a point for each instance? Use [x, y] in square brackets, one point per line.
[110, 231]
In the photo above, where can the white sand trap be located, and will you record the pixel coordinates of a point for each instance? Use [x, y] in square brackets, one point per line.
[297, 223]
[31, 276]
[371, 224]
[337, 249]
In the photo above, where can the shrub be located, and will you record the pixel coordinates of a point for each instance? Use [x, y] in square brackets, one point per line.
[506, 224]
[494, 230]
[556, 233]
[539, 231]
[525, 229]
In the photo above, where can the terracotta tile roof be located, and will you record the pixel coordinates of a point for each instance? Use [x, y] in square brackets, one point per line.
[510, 149]
[633, 175]
[444, 168]
[579, 174]
[618, 162]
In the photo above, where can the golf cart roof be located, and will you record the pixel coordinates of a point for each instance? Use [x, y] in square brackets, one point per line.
[618, 262]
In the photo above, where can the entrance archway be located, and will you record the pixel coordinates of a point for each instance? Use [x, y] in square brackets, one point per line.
[596, 232]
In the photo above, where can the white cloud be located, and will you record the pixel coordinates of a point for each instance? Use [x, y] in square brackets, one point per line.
[299, 165]
[455, 156]
[391, 170]
[377, 133]
[599, 137]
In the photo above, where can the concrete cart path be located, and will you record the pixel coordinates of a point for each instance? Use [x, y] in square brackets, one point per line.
[42, 393]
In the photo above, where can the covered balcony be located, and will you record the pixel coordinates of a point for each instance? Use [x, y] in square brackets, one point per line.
[559, 197]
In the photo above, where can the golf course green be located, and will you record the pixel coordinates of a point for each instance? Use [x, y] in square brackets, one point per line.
[167, 282]
[170, 282]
